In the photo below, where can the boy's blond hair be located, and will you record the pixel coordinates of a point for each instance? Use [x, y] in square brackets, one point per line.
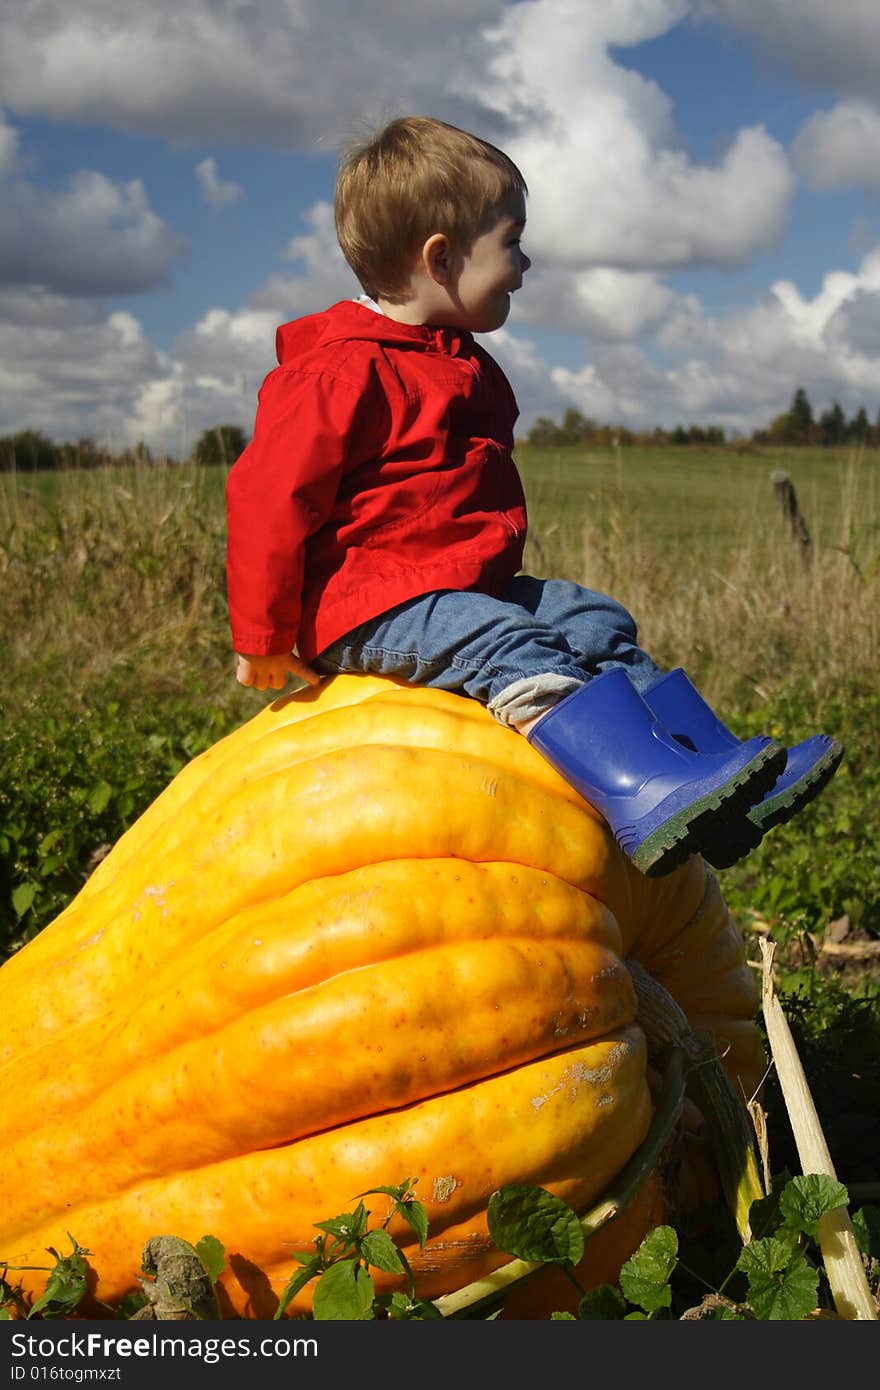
[417, 176]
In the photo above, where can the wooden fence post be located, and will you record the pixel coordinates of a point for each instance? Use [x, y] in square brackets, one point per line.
[784, 489]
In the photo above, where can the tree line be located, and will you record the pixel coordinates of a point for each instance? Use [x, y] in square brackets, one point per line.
[796, 426]
[30, 451]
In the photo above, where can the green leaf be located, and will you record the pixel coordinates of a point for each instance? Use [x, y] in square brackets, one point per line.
[764, 1217]
[349, 1226]
[532, 1224]
[129, 1304]
[378, 1249]
[344, 1292]
[866, 1225]
[296, 1282]
[405, 1205]
[415, 1215]
[782, 1286]
[66, 1284]
[400, 1307]
[22, 897]
[602, 1304]
[397, 1305]
[7, 1298]
[805, 1199]
[399, 1193]
[213, 1256]
[645, 1277]
[99, 797]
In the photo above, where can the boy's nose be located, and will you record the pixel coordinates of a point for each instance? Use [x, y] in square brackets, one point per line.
[525, 261]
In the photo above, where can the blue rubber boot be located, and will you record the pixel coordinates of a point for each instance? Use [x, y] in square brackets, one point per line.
[809, 765]
[659, 798]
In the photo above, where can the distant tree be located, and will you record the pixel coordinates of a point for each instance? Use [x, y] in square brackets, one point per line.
[138, 454]
[801, 413]
[544, 433]
[83, 454]
[577, 428]
[680, 435]
[28, 451]
[859, 428]
[832, 423]
[795, 425]
[220, 444]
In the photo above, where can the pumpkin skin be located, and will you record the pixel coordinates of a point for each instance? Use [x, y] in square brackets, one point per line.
[369, 935]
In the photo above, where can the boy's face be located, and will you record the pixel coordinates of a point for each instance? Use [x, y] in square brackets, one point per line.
[491, 270]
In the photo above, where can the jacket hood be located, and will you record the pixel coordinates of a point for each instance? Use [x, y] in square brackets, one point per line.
[350, 320]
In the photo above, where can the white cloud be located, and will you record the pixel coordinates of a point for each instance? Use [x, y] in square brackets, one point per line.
[323, 275]
[285, 71]
[833, 43]
[601, 303]
[840, 148]
[93, 236]
[218, 192]
[69, 369]
[609, 184]
[8, 145]
[740, 370]
[72, 370]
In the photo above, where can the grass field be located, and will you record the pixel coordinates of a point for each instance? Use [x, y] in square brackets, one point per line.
[123, 569]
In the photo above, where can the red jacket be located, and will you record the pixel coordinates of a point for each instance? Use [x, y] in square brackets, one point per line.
[380, 469]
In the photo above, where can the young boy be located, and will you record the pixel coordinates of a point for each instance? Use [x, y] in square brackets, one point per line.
[377, 520]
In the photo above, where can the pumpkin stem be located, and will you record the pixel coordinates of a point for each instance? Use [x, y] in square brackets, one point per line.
[665, 1024]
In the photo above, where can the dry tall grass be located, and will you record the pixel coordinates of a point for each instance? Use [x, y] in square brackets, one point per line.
[119, 575]
[749, 619]
[116, 575]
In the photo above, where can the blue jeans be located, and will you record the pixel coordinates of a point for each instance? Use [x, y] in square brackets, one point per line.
[518, 654]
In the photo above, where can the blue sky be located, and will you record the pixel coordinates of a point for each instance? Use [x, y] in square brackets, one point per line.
[704, 212]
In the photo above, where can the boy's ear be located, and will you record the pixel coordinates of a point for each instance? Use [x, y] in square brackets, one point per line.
[437, 257]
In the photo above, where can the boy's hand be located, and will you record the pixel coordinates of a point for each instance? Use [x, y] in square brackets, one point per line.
[271, 672]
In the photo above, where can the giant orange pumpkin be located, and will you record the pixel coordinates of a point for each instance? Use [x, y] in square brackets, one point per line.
[370, 935]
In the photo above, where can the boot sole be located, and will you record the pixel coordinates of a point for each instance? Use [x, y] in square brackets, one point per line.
[685, 832]
[724, 850]
[776, 810]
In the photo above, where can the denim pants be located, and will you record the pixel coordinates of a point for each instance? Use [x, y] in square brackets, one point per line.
[518, 654]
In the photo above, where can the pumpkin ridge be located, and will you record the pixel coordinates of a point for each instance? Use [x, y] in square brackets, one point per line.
[526, 1000]
[569, 1131]
[359, 802]
[221, 975]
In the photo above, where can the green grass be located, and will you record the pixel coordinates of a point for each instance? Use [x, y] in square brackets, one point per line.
[702, 501]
